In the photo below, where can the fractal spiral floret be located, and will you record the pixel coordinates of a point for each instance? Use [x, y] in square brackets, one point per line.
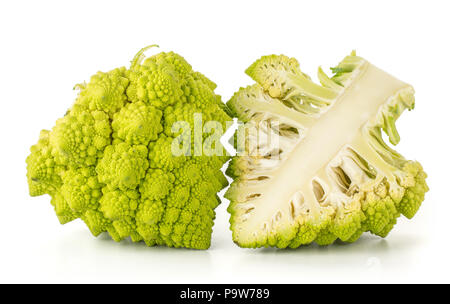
[314, 166]
[109, 161]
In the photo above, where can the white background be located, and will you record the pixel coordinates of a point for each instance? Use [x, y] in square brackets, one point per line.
[48, 46]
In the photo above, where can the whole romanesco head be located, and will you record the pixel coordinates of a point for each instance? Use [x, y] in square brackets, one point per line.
[312, 163]
[109, 160]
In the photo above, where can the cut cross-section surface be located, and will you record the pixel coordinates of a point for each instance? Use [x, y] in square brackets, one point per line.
[313, 164]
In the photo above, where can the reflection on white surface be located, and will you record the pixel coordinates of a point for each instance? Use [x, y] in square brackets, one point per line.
[370, 257]
[103, 258]
[77, 257]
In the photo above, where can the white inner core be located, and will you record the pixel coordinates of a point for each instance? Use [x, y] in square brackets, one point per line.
[338, 126]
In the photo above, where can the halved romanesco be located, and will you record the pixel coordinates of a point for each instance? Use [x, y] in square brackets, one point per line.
[313, 166]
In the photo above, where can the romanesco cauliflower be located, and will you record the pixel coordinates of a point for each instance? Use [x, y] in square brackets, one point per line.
[313, 166]
[109, 162]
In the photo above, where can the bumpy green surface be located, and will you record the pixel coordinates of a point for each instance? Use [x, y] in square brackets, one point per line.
[109, 160]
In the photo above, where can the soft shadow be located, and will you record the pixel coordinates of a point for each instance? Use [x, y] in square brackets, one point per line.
[79, 254]
[366, 242]
[369, 254]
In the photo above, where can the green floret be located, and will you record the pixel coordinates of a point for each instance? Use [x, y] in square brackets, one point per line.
[178, 197]
[177, 63]
[202, 78]
[189, 174]
[150, 212]
[110, 160]
[81, 189]
[105, 92]
[98, 223]
[62, 209]
[155, 84]
[42, 169]
[161, 156]
[312, 163]
[157, 184]
[205, 193]
[200, 94]
[348, 221]
[415, 194]
[137, 123]
[217, 180]
[379, 213]
[123, 166]
[120, 208]
[325, 238]
[201, 100]
[180, 112]
[79, 140]
[118, 205]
